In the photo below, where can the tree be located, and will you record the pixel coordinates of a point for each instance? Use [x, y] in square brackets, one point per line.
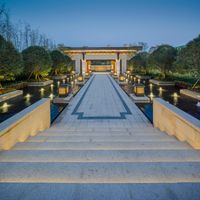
[163, 57]
[69, 64]
[37, 62]
[58, 62]
[139, 62]
[189, 57]
[10, 61]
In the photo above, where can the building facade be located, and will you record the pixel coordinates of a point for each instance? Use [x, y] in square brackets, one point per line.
[98, 59]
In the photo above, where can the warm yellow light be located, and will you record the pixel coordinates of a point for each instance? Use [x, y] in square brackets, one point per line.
[5, 107]
[175, 95]
[151, 95]
[51, 96]
[28, 96]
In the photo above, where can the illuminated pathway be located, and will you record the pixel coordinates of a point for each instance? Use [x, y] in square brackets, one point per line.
[101, 147]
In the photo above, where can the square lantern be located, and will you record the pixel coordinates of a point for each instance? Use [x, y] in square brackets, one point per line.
[138, 89]
[121, 78]
[63, 89]
[80, 78]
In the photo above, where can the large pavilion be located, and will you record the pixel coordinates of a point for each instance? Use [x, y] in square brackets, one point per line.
[111, 59]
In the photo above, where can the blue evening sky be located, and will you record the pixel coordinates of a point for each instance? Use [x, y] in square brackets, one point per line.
[114, 22]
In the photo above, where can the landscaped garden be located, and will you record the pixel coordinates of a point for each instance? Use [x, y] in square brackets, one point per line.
[167, 63]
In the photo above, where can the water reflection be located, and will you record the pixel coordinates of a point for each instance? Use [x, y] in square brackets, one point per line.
[160, 91]
[42, 92]
[28, 97]
[151, 96]
[51, 96]
[5, 107]
[175, 98]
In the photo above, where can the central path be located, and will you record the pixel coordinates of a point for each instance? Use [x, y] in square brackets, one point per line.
[100, 147]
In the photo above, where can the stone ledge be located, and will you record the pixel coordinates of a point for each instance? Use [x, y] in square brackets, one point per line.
[139, 99]
[40, 84]
[176, 122]
[59, 77]
[10, 95]
[162, 83]
[192, 94]
[26, 123]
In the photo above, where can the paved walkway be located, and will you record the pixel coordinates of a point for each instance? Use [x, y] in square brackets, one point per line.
[101, 147]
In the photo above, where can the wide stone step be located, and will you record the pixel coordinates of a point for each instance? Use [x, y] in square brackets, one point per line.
[91, 191]
[165, 172]
[101, 145]
[99, 138]
[102, 130]
[100, 156]
[100, 134]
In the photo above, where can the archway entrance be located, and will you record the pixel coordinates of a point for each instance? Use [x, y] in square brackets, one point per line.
[101, 66]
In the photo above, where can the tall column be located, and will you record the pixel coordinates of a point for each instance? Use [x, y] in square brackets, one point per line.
[84, 65]
[118, 66]
[77, 65]
[124, 65]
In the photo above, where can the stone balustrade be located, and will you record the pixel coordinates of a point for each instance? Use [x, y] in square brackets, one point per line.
[176, 122]
[26, 123]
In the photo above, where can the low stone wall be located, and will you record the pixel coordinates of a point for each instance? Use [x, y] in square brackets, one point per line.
[59, 77]
[26, 123]
[10, 95]
[192, 94]
[176, 122]
[40, 84]
[161, 83]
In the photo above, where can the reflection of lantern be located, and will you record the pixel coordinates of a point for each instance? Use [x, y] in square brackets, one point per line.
[138, 89]
[63, 90]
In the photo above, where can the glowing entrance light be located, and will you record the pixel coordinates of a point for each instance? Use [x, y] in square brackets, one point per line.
[63, 81]
[139, 80]
[58, 83]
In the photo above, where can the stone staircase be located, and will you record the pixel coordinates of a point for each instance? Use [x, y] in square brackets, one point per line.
[101, 163]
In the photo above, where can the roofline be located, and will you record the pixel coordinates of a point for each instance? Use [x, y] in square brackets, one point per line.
[100, 49]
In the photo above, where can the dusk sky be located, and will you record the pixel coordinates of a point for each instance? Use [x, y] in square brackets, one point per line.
[114, 22]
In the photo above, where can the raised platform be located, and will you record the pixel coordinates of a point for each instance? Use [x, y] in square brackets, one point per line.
[139, 99]
[192, 94]
[40, 84]
[63, 100]
[162, 83]
[10, 95]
